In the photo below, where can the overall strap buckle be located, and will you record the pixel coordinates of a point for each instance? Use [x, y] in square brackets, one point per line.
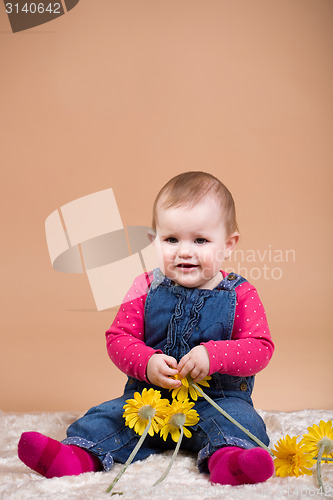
[231, 281]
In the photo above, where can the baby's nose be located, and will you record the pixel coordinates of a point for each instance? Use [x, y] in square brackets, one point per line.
[185, 250]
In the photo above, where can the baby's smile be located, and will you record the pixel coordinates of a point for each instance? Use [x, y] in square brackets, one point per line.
[186, 265]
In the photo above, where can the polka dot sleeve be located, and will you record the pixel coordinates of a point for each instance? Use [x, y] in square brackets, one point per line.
[125, 338]
[250, 348]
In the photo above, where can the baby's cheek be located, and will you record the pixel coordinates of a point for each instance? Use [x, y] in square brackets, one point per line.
[168, 253]
[217, 259]
[209, 260]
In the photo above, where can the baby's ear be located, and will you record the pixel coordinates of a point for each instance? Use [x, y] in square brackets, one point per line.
[151, 235]
[232, 241]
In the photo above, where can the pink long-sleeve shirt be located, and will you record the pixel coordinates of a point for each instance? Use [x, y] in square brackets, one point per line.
[248, 352]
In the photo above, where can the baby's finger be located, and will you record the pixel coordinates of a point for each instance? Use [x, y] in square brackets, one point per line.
[195, 373]
[169, 383]
[169, 372]
[183, 362]
[199, 377]
[187, 368]
[172, 362]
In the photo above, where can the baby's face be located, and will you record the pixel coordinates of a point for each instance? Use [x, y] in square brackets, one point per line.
[192, 243]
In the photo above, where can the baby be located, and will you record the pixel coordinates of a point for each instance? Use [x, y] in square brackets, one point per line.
[187, 317]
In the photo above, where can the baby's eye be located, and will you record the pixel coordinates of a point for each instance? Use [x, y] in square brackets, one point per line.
[171, 239]
[201, 241]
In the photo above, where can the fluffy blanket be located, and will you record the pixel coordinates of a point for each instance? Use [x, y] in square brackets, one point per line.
[184, 481]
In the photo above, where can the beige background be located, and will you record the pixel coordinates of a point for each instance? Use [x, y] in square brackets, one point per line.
[126, 94]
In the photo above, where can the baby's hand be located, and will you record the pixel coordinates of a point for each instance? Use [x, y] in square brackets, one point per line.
[196, 363]
[159, 369]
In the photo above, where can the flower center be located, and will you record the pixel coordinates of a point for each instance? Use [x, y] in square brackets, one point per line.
[293, 459]
[177, 420]
[146, 412]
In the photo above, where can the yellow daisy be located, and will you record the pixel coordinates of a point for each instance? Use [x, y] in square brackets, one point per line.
[180, 414]
[319, 435]
[144, 406]
[186, 389]
[291, 458]
[145, 413]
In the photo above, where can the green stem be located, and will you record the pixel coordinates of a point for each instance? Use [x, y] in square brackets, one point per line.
[226, 415]
[323, 459]
[131, 457]
[172, 459]
[319, 459]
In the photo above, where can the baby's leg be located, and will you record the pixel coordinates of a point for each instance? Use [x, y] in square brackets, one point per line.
[54, 459]
[94, 442]
[103, 432]
[80, 451]
[235, 466]
[233, 458]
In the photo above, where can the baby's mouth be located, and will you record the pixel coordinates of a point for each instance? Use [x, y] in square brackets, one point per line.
[187, 266]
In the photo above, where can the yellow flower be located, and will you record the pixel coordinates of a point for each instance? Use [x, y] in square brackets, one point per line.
[318, 436]
[180, 414]
[142, 407]
[146, 414]
[291, 458]
[186, 389]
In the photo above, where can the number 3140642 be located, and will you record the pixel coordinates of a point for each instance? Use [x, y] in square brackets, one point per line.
[33, 8]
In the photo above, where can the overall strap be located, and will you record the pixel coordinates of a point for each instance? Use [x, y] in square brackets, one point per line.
[231, 281]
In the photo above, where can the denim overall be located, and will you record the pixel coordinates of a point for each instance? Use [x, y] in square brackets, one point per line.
[176, 320]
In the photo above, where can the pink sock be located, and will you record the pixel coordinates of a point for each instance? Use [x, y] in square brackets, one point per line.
[54, 459]
[233, 465]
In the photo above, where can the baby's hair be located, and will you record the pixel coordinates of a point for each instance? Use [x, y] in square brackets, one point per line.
[191, 187]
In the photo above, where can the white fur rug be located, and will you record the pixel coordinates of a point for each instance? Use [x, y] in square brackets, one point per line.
[184, 481]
